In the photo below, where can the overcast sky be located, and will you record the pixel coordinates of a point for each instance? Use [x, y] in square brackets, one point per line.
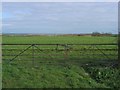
[59, 18]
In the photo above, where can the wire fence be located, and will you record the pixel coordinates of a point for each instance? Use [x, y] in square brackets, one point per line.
[81, 54]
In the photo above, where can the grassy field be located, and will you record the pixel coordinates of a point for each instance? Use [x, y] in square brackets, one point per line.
[57, 39]
[53, 68]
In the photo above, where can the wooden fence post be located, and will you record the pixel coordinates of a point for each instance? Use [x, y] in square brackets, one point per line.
[33, 54]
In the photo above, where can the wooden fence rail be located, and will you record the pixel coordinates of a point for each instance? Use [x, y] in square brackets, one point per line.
[95, 50]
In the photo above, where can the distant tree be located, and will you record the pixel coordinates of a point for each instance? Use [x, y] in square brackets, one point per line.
[107, 34]
[96, 34]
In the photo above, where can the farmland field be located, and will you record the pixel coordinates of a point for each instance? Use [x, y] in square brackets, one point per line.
[68, 66]
[31, 39]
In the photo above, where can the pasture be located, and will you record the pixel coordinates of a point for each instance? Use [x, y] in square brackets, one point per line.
[62, 64]
[45, 39]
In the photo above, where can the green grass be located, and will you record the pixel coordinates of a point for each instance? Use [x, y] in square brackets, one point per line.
[48, 76]
[0, 75]
[58, 39]
[106, 75]
[52, 69]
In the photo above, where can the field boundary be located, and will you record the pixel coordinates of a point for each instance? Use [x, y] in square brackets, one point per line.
[63, 44]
